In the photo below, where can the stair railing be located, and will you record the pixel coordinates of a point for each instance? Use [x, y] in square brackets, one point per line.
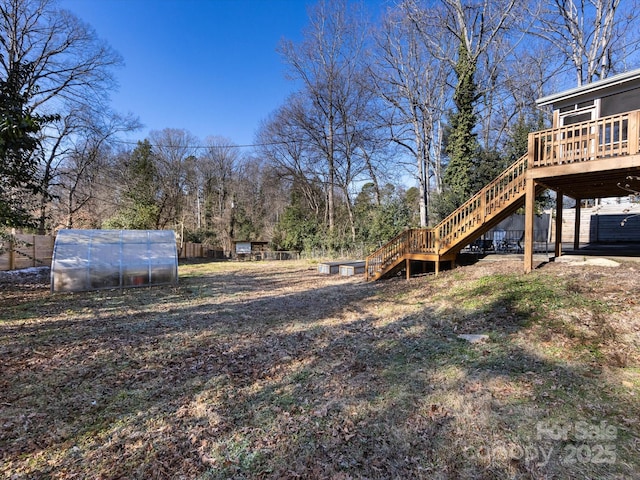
[456, 227]
[485, 204]
[387, 254]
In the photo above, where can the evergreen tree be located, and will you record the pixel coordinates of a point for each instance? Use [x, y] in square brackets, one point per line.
[518, 142]
[391, 218]
[462, 144]
[140, 208]
[412, 200]
[377, 223]
[243, 226]
[19, 176]
[364, 207]
[298, 227]
[487, 165]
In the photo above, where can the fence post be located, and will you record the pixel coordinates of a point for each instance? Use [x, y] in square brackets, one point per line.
[12, 252]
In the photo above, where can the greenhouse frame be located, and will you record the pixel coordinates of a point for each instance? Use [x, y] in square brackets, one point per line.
[98, 259]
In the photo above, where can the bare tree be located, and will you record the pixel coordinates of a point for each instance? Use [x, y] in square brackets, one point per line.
[283, 144]
[593, 36]
[216, 168]
[332, 103]
[478, 25]
[67, 61]
[74, 180]
[269, 193]
[492, 33]
[260, 198]
[172, 150]
[413, 84]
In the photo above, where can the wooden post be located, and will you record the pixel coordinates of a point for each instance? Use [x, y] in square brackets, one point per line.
[633, 132]
[408, 268]
[559, 201]
[576, 231]
[530, 211]
[437, 245]
[12, 253]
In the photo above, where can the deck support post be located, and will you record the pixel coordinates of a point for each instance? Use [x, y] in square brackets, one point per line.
[559, 202]
[632, 135]
[437, 245]
[576, 231]
[408, 268]
[530, 211]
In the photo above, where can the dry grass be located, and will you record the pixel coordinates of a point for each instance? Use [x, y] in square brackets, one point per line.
[270, 370]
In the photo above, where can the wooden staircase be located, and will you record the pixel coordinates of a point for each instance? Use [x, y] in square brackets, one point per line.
[495, 202]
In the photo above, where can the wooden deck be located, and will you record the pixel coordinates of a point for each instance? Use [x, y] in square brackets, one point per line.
[583, 160]
[587, 160]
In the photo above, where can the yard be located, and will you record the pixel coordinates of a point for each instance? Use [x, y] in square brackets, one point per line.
[270, 370]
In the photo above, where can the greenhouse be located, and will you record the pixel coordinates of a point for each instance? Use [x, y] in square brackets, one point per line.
[96, 259]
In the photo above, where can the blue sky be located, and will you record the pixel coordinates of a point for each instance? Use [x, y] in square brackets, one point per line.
[206, 66]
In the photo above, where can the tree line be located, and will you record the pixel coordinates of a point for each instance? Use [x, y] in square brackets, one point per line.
[397, 115]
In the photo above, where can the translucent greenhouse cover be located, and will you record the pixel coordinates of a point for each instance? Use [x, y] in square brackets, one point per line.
[95, 259]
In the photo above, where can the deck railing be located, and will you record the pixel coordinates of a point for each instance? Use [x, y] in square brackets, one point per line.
[387, 254]
[611, 136]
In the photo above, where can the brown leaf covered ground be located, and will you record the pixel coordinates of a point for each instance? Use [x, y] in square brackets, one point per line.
[271, 370]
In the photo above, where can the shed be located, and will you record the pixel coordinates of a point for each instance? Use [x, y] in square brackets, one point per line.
[252, 249]
[96, 259]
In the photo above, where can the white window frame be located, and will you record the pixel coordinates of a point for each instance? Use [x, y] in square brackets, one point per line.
[593, 109]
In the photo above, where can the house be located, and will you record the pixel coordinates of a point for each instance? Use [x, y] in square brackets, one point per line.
[592, 148]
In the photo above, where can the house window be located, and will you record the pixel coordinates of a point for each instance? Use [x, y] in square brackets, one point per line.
[577, 118]
[579, 112]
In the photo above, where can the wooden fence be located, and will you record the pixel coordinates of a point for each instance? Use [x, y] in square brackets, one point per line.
[198, 250]
[25, 251]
